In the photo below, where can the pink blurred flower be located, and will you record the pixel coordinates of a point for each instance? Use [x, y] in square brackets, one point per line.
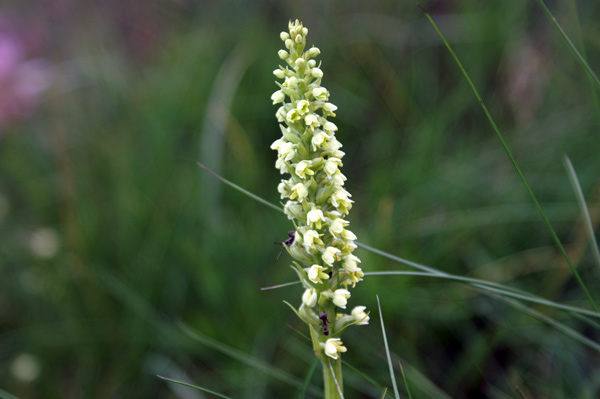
[22, 80]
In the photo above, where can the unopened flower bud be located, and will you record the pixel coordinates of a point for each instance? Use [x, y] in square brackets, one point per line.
[309, 298]
[283, 54]
[307, 315]
[313, 52]
[316, 72]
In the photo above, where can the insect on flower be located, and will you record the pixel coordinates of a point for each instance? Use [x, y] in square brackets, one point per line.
[323, 317]
[288, 242]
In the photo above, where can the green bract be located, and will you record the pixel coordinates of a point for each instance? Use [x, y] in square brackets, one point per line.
[310, 153]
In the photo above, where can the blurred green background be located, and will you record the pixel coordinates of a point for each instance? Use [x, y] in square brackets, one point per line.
[111, 236]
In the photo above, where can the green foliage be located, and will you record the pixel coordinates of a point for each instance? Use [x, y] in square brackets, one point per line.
[147, 239]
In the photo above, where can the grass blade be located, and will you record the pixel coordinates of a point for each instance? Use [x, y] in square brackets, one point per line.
[387, 352]
[195, 387]
[570, 44]
[238, 188]
[363, 376]
[6, 395]
[514, 162]
[215, 122]
[405, 380]
[585, 214]
[248, 360]
[309, 375]
[558, 325]
[427, 387]
[495, 288]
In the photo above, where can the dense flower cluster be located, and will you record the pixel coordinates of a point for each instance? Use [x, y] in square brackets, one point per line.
[317, 201]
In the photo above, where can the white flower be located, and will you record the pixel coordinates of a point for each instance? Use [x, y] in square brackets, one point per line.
[303, 169]
[338, 178]
[340, 297]
[336, 227]
[315, 216]
[333, 346]
[311, 121]
[359, 314]
[281, 165]
[334, 145]
[310, 238]
[320, 93]
[339, 199]
[331, 165]
[329, 127]
[280, 114]
[277, 143]
[309, 298]
[291, 82]
[330, 255]
[353, 277]
[287, 151]
[283, 189]
[318, 139]
[292, 116]
[330, 108]
[302, 107]
[350, 263]
[278, 97]
[315, 274]
[299, 190]
[348, 246]
[348, 235]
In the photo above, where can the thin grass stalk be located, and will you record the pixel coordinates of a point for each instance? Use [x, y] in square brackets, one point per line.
[585, 214]
[570, 44]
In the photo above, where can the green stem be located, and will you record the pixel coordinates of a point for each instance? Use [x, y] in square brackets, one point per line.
[330, 379]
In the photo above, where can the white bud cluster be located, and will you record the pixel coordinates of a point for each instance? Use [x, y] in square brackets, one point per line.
[310, 153]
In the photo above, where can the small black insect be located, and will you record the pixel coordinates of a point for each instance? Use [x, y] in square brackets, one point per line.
[323, 317]
[288, 242]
